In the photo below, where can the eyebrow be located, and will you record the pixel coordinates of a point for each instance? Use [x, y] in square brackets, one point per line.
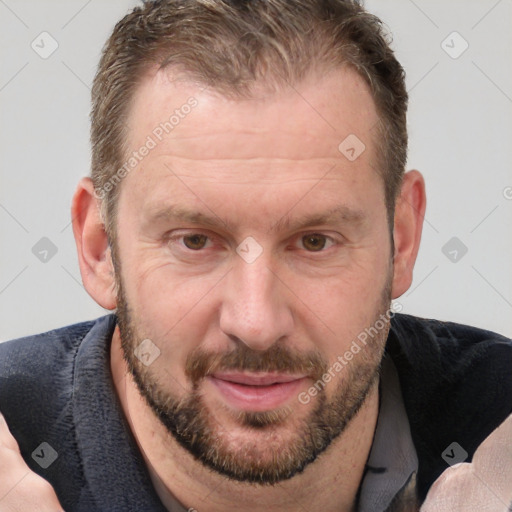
[339, 214]
[174, 212]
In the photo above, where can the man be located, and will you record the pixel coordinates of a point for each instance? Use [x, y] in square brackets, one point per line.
[249, 219]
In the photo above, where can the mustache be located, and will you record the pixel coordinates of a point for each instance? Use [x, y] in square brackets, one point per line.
[277, 358]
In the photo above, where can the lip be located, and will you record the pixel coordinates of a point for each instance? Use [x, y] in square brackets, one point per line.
[256, 391]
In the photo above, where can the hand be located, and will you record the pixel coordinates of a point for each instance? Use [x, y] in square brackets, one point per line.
[20, 488]
[485, 485]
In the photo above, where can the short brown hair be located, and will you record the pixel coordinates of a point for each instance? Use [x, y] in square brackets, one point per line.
[231, 45]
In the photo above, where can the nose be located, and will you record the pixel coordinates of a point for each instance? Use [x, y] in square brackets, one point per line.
[255, 308]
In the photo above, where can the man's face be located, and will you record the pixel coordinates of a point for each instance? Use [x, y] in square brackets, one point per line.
[252, 253]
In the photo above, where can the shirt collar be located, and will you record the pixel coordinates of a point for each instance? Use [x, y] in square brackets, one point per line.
[393, 462]
[112, 464]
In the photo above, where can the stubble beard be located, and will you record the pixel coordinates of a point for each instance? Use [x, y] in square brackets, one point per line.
[283, 441]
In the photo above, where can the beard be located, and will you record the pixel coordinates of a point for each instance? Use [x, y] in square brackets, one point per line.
[275, 445]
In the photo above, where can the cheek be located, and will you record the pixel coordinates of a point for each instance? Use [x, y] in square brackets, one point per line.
[176, 317]
[350, 312]
[351, 298]
[174, 312]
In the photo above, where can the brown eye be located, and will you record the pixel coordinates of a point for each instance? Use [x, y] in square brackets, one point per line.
[315, 242]
[195, 242]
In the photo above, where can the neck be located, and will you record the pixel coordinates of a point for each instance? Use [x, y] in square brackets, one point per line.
[329, 484]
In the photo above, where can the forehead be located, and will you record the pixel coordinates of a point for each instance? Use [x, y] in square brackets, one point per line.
[311, 119]
[260, 156]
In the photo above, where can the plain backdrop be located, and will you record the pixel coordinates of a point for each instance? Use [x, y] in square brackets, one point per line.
[458, 59]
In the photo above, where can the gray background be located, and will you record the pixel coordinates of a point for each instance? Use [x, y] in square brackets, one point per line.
[460, 128]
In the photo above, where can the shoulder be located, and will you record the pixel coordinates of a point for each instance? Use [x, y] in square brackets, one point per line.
[447, 348]
[24, 355]
[36, 375]
[39, 356]
[445, 361]
[38, 387]
[442, 332]
[456, 383]
[49, 353]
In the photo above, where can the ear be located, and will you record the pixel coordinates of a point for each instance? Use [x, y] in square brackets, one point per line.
[409, 215]
[92, 245]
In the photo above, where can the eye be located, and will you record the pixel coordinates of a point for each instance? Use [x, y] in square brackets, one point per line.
[195, 242]
[193, 245]
[316, 242]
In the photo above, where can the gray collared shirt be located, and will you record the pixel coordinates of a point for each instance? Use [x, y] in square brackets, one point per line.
[392, 463]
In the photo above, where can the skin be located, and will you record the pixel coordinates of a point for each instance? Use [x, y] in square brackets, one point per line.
[484, 485]
[20, 488]
[258, 167]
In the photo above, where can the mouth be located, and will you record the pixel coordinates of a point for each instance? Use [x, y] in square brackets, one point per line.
[256, 391]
